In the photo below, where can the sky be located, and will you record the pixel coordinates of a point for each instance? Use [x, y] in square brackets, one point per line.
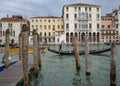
[32, 8]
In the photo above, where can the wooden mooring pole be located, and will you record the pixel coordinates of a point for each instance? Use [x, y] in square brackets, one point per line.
[35, 52]
[113, 65]
[87, 56]
[39, 57]
[20, 46]
[25, 54]
[76, 51]
[7, 48]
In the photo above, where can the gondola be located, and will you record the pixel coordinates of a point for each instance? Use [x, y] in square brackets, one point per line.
[3, 66]
[80, 52]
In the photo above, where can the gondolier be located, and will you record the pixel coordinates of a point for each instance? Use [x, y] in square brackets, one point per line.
[60, 47]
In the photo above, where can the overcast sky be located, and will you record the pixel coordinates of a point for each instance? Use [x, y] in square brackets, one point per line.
[33, 8]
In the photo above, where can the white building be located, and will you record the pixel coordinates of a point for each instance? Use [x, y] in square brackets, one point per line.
[13, 23]
[81, 19]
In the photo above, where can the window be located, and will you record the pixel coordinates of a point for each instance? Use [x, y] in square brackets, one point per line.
[40, 20]
[79, 9]
[13, 33]
[116, 25]
[40, 26]
[108, 26]
[53, 27]
[90, 26]
[98, 26]
[0, 33]
[85, 8]
[44, 26]
[67, 26]
[44, 20]
[90, 9]
[45, 34]
[32, 20]
[9, 24]
[97, 9]
[53, 20]
[75, 26]
[3, 33]
[49, 27]
[67, 15]
[36, 26]
[67, 9]
[90, 16]
[40, 33]
[32, 26]
[75, 9]
[49, 34]
[80, 25]
[58, 26]
[75, 16]
[48, 20]
[36, 20]
[62, 26]
[0, 24]
[97, 17]
[103, 26]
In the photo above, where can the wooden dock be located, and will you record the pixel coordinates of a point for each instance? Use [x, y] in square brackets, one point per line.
[13, 75]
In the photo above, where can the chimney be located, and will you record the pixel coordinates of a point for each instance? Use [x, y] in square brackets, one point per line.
[7, 15]
[26, 19]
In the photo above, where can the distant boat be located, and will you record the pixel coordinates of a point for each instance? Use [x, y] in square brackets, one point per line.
[2, 45]
[80, 52]
[16, 50]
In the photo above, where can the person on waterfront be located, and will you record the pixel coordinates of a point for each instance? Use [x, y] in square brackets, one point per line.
[60, 47]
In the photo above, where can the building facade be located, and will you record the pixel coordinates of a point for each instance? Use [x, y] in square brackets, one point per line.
[13, 23]
[81, 20]
[116, 13]
[109, 32]
[48, 27]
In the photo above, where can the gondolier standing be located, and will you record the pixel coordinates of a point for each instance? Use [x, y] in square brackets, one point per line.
[60, 46]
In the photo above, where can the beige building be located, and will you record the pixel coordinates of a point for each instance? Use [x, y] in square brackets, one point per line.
[48, 27]
[13, 23]
[109, 32]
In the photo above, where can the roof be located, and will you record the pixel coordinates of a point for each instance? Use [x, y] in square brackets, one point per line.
[107, 16]
[82, 4]
[11, 19]
[45, 17]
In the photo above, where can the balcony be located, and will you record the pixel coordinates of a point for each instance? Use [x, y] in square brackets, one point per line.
[82, 29]
[82, 19]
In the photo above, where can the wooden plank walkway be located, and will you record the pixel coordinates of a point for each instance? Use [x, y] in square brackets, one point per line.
[12, 75]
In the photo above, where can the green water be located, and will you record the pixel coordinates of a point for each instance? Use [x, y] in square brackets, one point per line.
[60, 70]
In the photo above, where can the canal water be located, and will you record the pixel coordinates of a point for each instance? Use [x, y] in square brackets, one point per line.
[60, 70]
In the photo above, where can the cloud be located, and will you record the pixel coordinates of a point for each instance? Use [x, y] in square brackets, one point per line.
[48, 7]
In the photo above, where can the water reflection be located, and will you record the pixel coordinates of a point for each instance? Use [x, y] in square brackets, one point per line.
[36, 80]
[89, 82]
[77, 79]
[81, 80]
